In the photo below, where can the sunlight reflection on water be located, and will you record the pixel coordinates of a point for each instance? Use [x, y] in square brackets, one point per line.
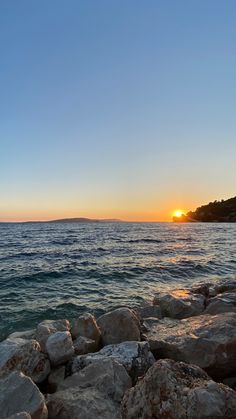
[60, 270]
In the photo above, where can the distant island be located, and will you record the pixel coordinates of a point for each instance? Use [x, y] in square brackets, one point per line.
[85, 220]
[67, 220]
[215, 212]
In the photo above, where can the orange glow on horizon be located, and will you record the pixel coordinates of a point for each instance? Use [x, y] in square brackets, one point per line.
[163, 215]
[178, 213]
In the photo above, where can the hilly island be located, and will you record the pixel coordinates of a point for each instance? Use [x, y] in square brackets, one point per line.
[223, 211]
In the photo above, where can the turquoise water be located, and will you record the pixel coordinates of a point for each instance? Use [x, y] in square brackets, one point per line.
[50, 270]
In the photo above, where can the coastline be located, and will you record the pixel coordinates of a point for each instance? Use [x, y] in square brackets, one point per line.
[110, 366]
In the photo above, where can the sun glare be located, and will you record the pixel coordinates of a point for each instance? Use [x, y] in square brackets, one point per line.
[178, 213]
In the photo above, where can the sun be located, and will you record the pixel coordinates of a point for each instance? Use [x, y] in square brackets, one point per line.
[178, 213]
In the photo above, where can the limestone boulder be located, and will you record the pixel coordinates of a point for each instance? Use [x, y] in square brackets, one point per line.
[176, 390]
[59, 347]
[48, 328]
[23, 355]
[179, 303]
[118, 326]
[134, 356]
[87, 327]
[76, 402]
[27, 334]
[85, 345]
[207, 341]
[222, 303]
[18, 393]
[106, 375]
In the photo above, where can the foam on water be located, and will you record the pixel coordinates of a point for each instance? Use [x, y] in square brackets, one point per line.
[60, 270]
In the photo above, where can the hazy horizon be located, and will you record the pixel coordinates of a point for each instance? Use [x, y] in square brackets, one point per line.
[116, 109]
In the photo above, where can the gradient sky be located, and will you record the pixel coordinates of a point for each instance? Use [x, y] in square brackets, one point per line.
[116, 108]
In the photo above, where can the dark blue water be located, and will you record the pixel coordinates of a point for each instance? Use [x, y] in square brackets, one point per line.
[60, 270]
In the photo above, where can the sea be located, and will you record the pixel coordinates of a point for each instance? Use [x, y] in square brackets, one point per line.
[60, 270]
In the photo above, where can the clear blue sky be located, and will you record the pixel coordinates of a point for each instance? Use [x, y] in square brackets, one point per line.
[116, 108]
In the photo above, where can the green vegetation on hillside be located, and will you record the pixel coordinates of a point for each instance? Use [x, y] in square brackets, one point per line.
[217, 211]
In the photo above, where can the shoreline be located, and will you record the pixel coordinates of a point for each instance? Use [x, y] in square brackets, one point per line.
[105, 363]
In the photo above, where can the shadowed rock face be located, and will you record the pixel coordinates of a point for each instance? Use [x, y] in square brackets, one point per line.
[222, 303]
[18, 393]
[207, 341]
[76, 403]
[178, 391]
[21, 415]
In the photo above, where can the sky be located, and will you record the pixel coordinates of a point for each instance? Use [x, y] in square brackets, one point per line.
[116, 109]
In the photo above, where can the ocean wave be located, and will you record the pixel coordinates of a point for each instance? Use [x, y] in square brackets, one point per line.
[55, 271]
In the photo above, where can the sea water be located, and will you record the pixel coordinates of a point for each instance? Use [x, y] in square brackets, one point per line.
[59, 270]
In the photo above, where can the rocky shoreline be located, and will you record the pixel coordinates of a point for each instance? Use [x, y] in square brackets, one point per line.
[174, 358]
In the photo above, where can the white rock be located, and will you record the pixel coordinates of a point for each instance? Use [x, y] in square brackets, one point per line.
[134, 356]
[176, 390]
[59, 347]
[23, 355]
[18, 393]
[107, 375]
[48, 328]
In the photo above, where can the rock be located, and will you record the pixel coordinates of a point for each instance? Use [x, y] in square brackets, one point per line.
[176, 391]
[211, 289]
[180, 303]
[59, 347]
[118, 326]
[56, 376]
[107, 375]
[207, 341]
[20, 415]
[85, 345]
[222, 303]
[221, 287]
[49, 327]
[21, 354]
[28, 334]
[149, 310]
[87, 327]
[76, 403]
[18, 393]
[134, 356]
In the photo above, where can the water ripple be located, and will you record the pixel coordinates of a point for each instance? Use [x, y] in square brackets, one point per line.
[61, 270]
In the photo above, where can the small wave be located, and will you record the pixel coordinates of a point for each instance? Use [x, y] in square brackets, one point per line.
[144, 241]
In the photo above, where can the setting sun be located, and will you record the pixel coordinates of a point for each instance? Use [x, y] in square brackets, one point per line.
[178, 213]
